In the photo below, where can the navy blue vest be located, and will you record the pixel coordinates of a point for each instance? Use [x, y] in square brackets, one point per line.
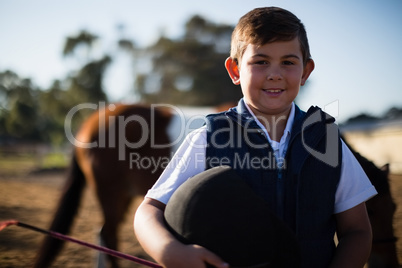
[301, 188]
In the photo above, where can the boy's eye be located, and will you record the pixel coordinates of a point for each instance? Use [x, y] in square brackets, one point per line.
[262, 62]
[288, 62]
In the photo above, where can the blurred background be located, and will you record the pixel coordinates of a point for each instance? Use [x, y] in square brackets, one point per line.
[55, 55]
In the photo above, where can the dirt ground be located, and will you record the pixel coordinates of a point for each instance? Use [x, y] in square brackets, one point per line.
[31, 199]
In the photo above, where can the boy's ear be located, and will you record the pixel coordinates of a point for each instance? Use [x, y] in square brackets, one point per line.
[233, 70]
[307, 71]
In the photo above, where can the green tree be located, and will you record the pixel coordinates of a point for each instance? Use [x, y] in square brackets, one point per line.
[19, 108]
[393, 113]
[83, 40]
[54, 104]
[190, 70]
[85, 83]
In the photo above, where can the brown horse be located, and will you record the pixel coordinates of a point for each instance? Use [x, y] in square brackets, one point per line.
[120, 151]
[381, 209]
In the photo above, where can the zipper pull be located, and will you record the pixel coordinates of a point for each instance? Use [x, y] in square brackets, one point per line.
[279, 173]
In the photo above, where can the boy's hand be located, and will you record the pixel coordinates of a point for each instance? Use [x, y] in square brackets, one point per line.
[160, 244]
[194, 256]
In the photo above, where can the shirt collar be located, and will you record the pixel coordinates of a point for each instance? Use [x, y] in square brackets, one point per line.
[291, 118]
[289, 123]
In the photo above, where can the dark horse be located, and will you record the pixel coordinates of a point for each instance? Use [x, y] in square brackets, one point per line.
[121, 164]
[120, 153]
[381, 209]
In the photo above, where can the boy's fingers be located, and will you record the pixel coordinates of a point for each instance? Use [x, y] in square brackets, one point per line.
[214, 260]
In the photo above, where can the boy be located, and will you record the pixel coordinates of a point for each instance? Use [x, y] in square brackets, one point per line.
[313, 193]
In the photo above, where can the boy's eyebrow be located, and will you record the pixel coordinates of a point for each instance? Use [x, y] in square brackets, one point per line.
[283, 57]
[291, 56]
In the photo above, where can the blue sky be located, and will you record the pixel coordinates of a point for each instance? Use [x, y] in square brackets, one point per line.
[356, 45]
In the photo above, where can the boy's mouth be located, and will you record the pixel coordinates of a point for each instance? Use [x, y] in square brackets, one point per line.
[273, 90]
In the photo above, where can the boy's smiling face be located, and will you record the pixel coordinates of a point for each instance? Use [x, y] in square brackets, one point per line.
[270, 76]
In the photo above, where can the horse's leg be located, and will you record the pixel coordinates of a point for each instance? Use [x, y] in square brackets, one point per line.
[112, 220]
[100, 258]
[114, 199]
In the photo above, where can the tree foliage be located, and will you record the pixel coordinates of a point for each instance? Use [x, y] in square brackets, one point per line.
[86, 85]
[18, 111]
[28, 113]
[190, 70]
[84, 39]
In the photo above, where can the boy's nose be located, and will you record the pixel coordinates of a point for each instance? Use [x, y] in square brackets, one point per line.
[272, 76]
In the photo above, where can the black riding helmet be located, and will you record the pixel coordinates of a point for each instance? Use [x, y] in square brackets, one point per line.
[216, 209]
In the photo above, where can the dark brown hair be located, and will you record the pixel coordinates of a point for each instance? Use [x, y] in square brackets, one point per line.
[268, 24]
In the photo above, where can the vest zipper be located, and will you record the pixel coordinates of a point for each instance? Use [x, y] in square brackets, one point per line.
[280, 197]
